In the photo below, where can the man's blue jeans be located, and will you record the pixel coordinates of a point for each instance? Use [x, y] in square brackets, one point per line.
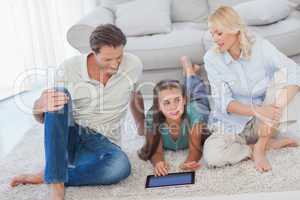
[77, 155]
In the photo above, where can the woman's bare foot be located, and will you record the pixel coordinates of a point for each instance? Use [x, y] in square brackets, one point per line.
[27, 179]
[57, 191]
[259, 156]
[282, 143]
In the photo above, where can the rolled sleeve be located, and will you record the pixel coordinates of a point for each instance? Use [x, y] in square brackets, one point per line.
[278, 61]
[135, 68]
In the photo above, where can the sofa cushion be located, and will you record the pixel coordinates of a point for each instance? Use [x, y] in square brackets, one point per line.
[136, 18]
[214, 4]
[181, 10]
[189, 10]
[164, 50]
[285, 34]
[262, 12]
[112, 4]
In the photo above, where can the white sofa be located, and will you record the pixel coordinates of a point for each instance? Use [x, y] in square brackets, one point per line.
[160, 53]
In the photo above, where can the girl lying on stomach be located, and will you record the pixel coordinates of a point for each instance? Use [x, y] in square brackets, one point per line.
[176, 121]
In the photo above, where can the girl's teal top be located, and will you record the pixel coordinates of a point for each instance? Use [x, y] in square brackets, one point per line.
[193, 116]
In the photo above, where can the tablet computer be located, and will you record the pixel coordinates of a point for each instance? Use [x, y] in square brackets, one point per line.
[172, 179]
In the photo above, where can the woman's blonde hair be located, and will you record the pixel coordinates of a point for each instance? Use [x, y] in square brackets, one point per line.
[225, 18]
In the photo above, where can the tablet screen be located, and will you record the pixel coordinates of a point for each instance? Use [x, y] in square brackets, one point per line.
[182, 178]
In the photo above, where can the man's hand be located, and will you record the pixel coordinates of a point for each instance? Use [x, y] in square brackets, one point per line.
[161, 168]
[50, 100]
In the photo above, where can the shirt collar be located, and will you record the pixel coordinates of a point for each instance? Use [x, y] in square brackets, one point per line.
[228, 58]
[85, 74]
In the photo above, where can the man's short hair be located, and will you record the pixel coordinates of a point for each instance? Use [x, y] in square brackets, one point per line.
[106, 35]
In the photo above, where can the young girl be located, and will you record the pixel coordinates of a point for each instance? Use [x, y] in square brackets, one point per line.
[176, 121]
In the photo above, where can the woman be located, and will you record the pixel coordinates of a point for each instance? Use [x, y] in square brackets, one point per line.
[176, 121]
[248, 101]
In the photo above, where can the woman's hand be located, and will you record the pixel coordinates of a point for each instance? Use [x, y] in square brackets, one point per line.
[190, 165]
[269, 114]
[161, 168]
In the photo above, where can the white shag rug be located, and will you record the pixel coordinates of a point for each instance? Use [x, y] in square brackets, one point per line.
[27, 157]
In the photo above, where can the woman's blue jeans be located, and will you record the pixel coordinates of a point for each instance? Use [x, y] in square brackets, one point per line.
[79, 156]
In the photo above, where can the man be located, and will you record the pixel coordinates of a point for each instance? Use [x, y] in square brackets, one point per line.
[82, 118]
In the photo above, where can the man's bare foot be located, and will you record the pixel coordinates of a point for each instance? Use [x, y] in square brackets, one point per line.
[57, 191]
[261, 162]
[282, 143]
[27, 179]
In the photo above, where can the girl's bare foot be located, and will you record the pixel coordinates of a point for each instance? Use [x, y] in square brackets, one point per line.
[282, 143]
[259, 156]
[187, 65]
[57, 191]
[27, 179]
[196, 68]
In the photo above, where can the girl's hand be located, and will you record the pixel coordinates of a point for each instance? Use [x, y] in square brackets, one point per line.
[161, 168]
[190, 165]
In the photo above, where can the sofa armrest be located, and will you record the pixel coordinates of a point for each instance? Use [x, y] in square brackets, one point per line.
[78, 34]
